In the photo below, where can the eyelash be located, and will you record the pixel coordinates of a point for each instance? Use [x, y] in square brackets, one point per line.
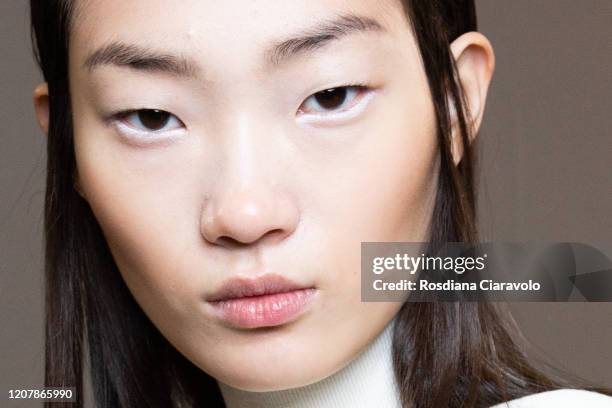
[364, 94]
[140, 132]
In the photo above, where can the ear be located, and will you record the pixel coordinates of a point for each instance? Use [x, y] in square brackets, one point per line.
[41, 106]
[475, 63]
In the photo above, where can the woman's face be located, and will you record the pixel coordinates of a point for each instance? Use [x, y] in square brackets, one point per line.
[272, 139]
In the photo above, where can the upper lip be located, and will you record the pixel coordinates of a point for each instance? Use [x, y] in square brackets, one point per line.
[240, 287]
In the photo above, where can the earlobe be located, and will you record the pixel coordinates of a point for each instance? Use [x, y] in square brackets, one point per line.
[475, 62]
[41, 106]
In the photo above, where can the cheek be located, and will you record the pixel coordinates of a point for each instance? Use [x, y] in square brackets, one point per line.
[385, 188]
[147, 209]
[401, 182]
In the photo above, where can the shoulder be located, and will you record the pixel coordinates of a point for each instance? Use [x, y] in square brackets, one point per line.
[563, 398]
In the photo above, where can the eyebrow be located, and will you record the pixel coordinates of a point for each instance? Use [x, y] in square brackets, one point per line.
[141, 58]
[322, 35]
[148, 60]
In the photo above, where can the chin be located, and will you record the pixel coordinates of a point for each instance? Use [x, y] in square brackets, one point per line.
[265, 370]
[270, 377]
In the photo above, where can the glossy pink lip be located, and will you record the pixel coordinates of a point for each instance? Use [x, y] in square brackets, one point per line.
[269, 300]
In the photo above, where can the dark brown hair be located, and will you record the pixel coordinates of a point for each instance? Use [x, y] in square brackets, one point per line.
[445, 354]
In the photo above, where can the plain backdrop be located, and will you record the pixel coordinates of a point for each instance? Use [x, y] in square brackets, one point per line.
[545, 172]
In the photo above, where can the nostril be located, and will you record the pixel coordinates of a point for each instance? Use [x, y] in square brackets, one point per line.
[236, 221]
[274, 234]
[229, 242]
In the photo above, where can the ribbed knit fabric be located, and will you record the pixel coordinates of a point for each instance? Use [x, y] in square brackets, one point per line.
[366, 382]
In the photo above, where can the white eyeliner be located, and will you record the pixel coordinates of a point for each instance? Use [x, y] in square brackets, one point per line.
[331, 118]
[143, 137]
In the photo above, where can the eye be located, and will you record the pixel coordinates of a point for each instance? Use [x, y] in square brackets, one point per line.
[150, 120]
[333, 100]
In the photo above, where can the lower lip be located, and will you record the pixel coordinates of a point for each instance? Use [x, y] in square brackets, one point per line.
[263, 311]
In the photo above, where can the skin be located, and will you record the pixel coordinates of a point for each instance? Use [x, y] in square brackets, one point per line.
[251, 184]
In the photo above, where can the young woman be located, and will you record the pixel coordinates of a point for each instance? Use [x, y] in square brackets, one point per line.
[212, 170]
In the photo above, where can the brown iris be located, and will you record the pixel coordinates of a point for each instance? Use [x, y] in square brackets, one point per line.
[331, 98]
[153, 119]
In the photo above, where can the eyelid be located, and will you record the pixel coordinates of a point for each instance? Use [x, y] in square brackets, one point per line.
[143, 136]
[334, 117]
[122, 115]
[357, 88]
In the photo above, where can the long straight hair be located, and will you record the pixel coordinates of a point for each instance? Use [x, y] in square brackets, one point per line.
[445, 354]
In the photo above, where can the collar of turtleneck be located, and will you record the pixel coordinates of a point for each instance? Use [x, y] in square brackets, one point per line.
[368, 381]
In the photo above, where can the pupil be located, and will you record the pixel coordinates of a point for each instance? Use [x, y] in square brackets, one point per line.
[153, 119]
[331, 98]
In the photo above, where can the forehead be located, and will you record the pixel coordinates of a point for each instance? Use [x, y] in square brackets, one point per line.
[220, 28]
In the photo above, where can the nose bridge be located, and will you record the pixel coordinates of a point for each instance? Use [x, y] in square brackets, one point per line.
[248, 148]
[247, 203]
[243, 148]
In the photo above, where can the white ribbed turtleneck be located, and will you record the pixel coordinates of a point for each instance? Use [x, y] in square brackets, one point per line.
[367, 381]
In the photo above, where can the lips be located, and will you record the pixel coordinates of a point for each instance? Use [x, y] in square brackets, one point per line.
[270, 300]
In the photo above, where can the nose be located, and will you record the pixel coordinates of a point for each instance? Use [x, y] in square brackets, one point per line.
[247, 217]
[250, 203]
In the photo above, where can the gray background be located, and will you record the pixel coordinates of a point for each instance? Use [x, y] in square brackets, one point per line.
[545, 171]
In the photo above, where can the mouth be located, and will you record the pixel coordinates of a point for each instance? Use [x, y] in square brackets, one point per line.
[267, 301]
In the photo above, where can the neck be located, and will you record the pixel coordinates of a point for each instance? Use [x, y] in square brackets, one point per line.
[368, 381]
